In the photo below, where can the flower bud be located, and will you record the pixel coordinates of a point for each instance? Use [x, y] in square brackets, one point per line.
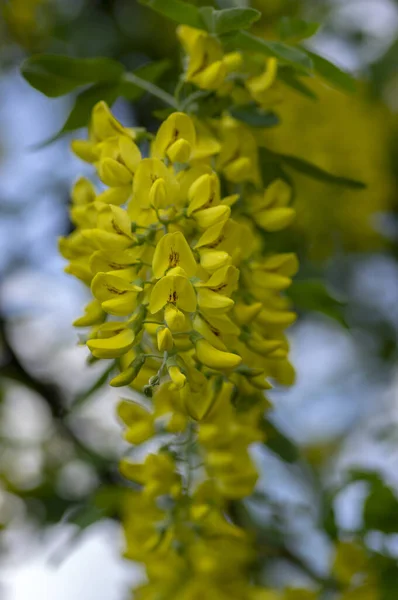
[164, 339]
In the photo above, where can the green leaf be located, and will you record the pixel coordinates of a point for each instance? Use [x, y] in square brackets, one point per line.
[386, 570]
[56, 75]
[207, 13]
[151, 72]
[84, 103]
[233, 19]
[243, 40]
[97, 385]
[333, 74]
[254, 116]
[312, 295]
[380, 510]
[296, 29]
[86, 100]
[278, 443]
[306, 168]
[178, 11]
[288, 76]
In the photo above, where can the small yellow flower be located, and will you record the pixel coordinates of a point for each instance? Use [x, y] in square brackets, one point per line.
[164, 339]
[175, 138]
[172, 251]
[214, 358]
[173, 289]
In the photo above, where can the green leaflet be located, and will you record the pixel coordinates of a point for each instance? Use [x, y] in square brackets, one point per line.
[215, 21]
[333, 74]
[285, 53]
[254, 116]
[56, 75]
[291, 28]
[233, 19]
[306, 168]
[278, 443]
[312, 295]
[86, 100]
[178, 11]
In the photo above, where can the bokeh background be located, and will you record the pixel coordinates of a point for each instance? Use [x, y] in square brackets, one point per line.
[59, 439]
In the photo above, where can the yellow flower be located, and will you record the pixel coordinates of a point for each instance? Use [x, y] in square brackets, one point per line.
[157, 475]
[206, 67]
[259, 85]
[177, 377]
[173, 289]
[175, 138]
[271, 211]
[113, 339]
[138, 420]
[93, 315]
[117, 296]
[172, 251]
[164, 339]
[214, 358]
[154, 184]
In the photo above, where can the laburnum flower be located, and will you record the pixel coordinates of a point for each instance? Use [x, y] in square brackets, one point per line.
[190, 304]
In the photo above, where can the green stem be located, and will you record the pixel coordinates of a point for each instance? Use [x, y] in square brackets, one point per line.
[151, 88]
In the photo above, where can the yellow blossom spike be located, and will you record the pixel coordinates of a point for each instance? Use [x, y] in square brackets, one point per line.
[112, 347]
[216, 359]
[174, 289]
[172, 251]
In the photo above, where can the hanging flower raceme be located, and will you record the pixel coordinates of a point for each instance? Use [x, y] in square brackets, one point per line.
[191, 306]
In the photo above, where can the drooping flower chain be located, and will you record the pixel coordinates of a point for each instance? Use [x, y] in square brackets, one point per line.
[191, 307]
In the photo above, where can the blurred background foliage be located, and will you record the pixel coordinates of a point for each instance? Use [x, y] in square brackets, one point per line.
[330, 462]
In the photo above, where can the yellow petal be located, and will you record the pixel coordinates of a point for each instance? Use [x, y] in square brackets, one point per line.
[113, 173]
[216, 359]
[114, 346]
[213, 303]
[210, 216]
[172, 251]
[164, 339]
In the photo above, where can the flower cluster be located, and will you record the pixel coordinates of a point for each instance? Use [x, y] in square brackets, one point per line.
[191, 306]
